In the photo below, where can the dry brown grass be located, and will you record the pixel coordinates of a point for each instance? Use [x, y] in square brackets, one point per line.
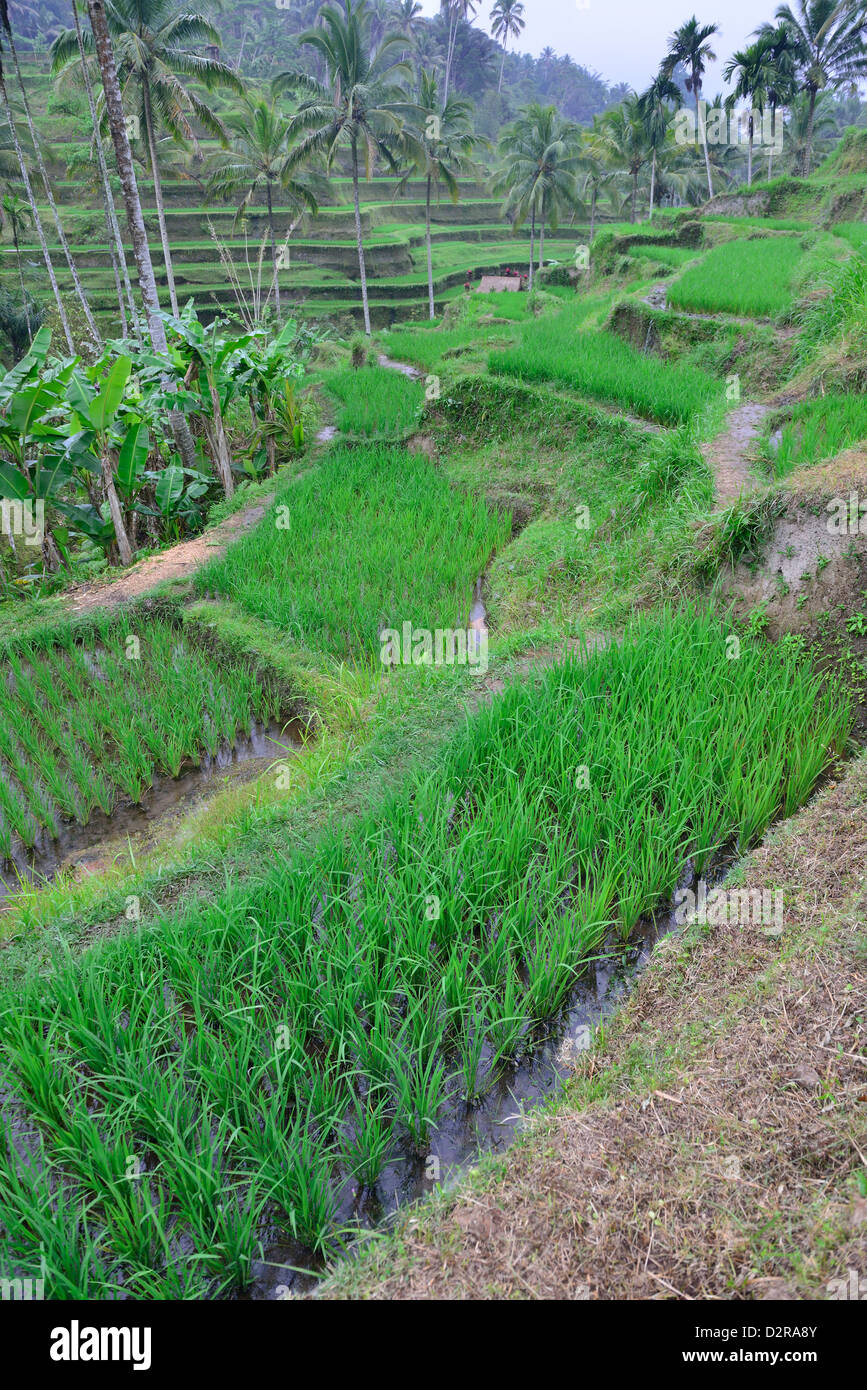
[712, 1148]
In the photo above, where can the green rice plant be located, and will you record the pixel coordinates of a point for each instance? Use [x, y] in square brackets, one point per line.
[754, 278]
[604, 367]
[375, 402]
[337, 559]
[314, 1023]
[815, 430]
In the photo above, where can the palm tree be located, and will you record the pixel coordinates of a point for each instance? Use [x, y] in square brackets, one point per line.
[257, 164]
[361, 106]
[780, 75]
[443, 143]
[104, 54]
[18, 216]
[594, 159]
[628, 135]
[539, 160]
[828, 46]
[507, 23]
[750, 67]
[688, 47]
[152, 53]
[656, 116]
[457, 12]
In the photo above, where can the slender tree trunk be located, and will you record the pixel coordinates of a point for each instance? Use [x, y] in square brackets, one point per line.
[502, 65]
[532, 244]
[808, 147]
[773, 138]
[21, 283]
[37, 221]
[158, 190]
[359, 239]
[273, 246]
[43, 173]
[132, 203]
[222, 458]
[124, 549]
[450, 48]
[593, 212]
[703, 133]
[542, 243]
[634, 194]
[750, 155]
[652, 184]
[121, 269]
[430, 293]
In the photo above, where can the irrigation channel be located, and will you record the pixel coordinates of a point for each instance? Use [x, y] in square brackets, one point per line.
[88, 848]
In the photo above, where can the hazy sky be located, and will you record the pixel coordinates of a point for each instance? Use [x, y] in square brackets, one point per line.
[624, 40]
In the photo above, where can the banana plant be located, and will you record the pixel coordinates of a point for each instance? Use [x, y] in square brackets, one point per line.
[271, 369]
[95, 409]
[209, 354]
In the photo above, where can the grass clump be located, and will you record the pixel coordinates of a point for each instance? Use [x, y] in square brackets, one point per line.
[370, 538]
[604, 367]
[375, 402]
[815, 430]
[755, 278]
[265, 1056]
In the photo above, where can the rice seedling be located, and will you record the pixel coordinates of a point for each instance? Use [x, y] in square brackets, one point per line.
[79, 727]
[815, 430]
[755, 278]
[270, 1048]
[340, 557]
[375, 402]
[604, 367]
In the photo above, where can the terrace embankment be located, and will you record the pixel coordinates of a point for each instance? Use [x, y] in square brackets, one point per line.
[712, 1145]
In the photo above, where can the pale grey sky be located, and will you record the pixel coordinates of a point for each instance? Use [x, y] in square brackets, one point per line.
[624, 40]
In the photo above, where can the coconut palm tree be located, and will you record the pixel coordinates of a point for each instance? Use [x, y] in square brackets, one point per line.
[442, 145]
[628, 135]
[152, 44]
[751, 68]
[688, 47]
[104, 56]
[456, 12]
[654, 109]
[258, 166]
[594, 156]
[361, 106]
[780, 75]
[506, 23]
[539, 159]
[828, 45]
[18, 217]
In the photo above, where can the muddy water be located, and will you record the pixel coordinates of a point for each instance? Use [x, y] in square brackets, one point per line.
[89, 847]
[463, 1133]
[403, 367]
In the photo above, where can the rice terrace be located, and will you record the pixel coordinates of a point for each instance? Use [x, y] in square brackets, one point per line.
[433, 611]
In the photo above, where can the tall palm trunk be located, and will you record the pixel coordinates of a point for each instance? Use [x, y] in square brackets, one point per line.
[37, 220]
[750, 154]
[652, 184]
[703, 133]
[502, 65]
[158, 188]
[450, 49]
[593, 212]
[808, 147]
[21, 283]
[359, 239]
[132, 204]
[430, 293]
[773, 137]
[124, 549]
[542, 242]
[634, 200]
[43, 173]
[115, 241]
[532, 244]
[273, 246]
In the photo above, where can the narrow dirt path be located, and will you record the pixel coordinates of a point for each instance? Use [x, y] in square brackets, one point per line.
[728, 453]
[177, 563]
